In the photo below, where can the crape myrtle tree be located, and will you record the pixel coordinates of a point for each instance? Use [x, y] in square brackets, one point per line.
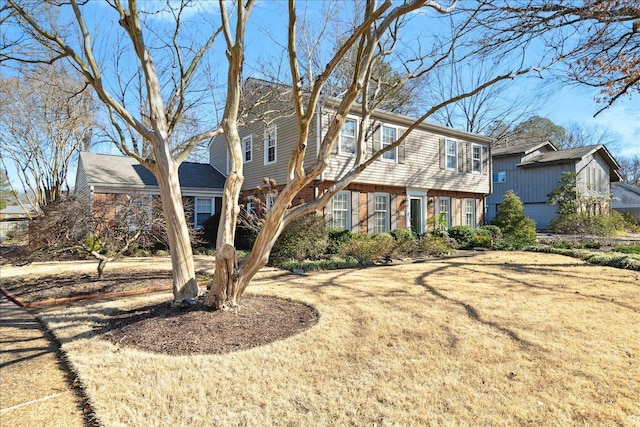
[373, 38]
[148, 70]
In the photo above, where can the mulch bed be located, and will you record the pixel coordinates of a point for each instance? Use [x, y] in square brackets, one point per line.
[162, 328]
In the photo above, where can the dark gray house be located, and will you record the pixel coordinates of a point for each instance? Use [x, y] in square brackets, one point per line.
[103, 175]
[532, 172]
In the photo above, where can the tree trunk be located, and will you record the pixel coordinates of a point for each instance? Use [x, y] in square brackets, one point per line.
[185, 286]
[102, 263]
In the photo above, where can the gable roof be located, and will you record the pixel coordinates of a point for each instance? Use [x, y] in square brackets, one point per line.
[572, 155]
[627, 187]
[124, 171]
[522, 149]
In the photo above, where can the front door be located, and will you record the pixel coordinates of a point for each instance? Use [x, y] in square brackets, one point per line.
[417, 222]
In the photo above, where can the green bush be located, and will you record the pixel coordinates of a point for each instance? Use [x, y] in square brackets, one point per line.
[304, 237]
[462, 234]
[338, 237]
[593, 245]
[492, 231]
[367, 247]
[631, 249]
[332, 263]
[434, 246]
[480, 241]
[516, 228]
[584, 223]
[402, 234]
[512, 243]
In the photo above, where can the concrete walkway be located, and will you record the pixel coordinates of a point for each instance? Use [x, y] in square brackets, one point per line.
[34, 388]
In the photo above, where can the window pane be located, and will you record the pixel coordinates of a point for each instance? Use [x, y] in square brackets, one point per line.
[452, 152]
[204, 210]
[348, 137]
[477, 159]
[388, 138]
[380, 214]
[341, 210]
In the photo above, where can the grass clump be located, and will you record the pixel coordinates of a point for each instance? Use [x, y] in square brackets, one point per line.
[630, 249]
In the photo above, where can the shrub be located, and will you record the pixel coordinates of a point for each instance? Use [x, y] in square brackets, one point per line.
[512, 243]
[480, 241]
[338, 237]
[210, 230]
[584, 223]
[434, 246]
[438, 232]
[462, 234]
[632, 249]
[593, 245]
[366, 247]
[492, 231]
[402, 234]
[515, 226]
[304, 237]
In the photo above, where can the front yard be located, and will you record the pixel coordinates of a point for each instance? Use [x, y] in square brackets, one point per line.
[486, 338]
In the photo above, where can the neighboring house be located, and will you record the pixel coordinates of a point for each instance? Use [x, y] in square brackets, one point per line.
[626, 199]
[16, 212]
[532, 172]
[102, 176]
[437, 172]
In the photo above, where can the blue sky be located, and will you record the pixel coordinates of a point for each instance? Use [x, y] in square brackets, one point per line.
[569, 104]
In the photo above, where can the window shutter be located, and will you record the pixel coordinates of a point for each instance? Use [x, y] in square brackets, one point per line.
[328, 211]
[453, 214]
[443, 164]
[486, 158]
[469, 157]
[401, 153]
[393, 209]
[461, 161]
[217, 205]
[370, 210]
[376, 144]
[355, 211]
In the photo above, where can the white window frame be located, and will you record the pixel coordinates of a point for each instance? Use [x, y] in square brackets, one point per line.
[269, 200]
[346, 210]
[447, 212]
[268, 133]
[144, 202]
[470, 214]
[391, 155]
[355, 137]
[196, 211]
[447, 155]
[499, 174]
[374, 216]
[477, 160]
[247, 147]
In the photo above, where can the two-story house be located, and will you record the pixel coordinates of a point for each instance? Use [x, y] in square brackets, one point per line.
[532, 172]
[438, 177]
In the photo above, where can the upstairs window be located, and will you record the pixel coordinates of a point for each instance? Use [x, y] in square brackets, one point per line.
[247, 148]
[476, 158]
[270, 145]
[347, 140]
[389, 136]
[499, 177]
[452, 155]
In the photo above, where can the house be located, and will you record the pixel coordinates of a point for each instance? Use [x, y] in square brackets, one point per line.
[437, 176]
[102, 176]
[626, 199]
[16, 212]
[532, 172]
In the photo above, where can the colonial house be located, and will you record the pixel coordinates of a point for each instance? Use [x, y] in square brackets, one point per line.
[532, 172]
[438, 176]
[626, 199]
[104, 177]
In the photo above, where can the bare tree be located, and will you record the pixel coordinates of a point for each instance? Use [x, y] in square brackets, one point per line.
[47, 117]
[630, 169]
[116, 222]
[374, 34]
[598, 41]
[150, 82]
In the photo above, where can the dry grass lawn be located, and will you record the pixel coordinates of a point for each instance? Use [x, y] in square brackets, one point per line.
[485, 339]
